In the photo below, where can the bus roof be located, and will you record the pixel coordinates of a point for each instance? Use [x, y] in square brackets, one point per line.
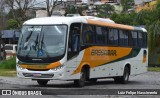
[80, 19]
[52, 20]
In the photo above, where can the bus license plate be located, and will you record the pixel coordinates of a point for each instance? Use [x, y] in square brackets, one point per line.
[37, 75]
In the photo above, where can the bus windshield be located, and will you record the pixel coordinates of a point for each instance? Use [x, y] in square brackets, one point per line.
[42, 41]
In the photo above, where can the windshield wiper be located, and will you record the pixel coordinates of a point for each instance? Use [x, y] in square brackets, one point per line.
[43, 45]
[36, 42]
[34, 47]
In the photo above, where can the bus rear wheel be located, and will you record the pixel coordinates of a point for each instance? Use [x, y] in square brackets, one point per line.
[42, 82]
[81, 82]
[94, 80]
[125, 78]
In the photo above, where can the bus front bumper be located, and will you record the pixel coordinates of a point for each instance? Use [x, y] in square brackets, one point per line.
[48, 75]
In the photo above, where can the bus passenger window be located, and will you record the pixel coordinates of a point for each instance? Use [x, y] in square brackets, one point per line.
[140, 40]
[123, 38]
[113, 37]
[145, 40]
[130, 38]
[134, 38]
[100, 35]
[88, 34]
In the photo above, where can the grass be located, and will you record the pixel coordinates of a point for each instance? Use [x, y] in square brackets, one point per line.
[7, 67]
[154, 69]
[7, 72]
[8, 64]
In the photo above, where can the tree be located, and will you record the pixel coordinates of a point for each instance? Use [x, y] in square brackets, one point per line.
[80, 9]
[105, 10]
[75, 10]
[50, 5]
[124, 18]
[19, 8]
[145, 17]
[2, 17]
[151, 18]
[71, 9]
[12, 24]
[125, 4]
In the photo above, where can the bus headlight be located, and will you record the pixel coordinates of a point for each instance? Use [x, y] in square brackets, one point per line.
[20, 67]
[58, 68]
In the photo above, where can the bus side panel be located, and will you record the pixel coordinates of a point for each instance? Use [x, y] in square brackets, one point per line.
[104, 62]
[109, 66]
[72, 65]
[142, 62]
[98, 68]
[107, 70]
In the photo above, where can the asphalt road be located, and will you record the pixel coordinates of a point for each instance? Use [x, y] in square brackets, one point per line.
[66, 89]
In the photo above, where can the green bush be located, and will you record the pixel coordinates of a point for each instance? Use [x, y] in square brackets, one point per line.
[8, 64]
[12, 24]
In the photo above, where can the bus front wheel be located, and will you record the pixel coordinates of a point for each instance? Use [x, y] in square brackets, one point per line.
[42, 82]
[81, 82]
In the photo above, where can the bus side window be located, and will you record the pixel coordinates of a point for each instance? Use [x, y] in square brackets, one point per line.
[130, 39]
[134, 38]
[144, 39]
[113, 37]
[88, 34]
[123, 38]
[100, 35]
[140, 39]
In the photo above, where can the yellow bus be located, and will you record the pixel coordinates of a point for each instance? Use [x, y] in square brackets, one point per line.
[81, 49]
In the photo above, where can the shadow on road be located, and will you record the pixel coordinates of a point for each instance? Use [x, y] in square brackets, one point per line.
[71, 84]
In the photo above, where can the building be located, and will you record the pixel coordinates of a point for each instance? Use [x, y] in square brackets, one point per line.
[59, 10]
[10, 36]
[74, 1]
[141, 2]
[145, 5]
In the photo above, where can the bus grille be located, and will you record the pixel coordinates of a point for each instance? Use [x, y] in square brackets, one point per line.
[38, 69]
[38, 75]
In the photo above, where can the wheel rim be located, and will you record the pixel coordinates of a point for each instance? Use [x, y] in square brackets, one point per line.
[126, 76]
[82, 78]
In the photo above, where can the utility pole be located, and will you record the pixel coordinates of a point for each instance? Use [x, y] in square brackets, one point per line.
[1, 27]
[75, 2]
[89, 2]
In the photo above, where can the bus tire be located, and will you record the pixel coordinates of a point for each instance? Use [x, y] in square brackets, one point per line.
[94, 80]
[42, 82]
[81, 82]
[117, 79]
[125, 78]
